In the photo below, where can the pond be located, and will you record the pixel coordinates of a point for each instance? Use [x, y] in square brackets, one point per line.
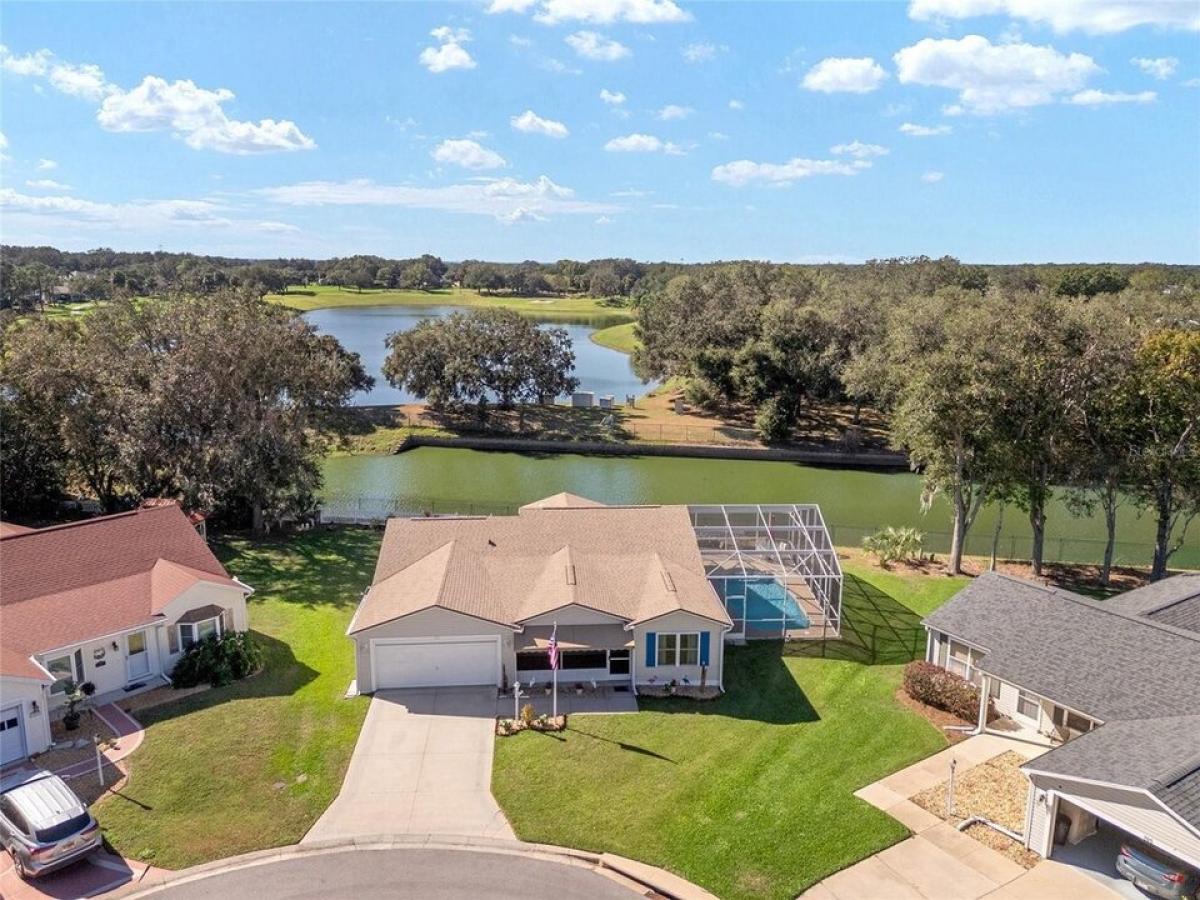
[854, 502]
[362, 329]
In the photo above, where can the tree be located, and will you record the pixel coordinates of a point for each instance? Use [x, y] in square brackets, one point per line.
[1088, 282]
[1165, 464]
[224, 402]
[469, 358]
[936, 372]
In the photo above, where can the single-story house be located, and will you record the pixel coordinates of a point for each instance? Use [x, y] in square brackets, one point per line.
[1112, 686]
[473, 601]
[114, 601]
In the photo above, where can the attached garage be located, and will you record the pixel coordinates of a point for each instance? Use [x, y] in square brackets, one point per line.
[12, 735]
[435, 662]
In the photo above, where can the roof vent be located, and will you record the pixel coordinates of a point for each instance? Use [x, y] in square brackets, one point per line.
[668, 581]
[570, 574]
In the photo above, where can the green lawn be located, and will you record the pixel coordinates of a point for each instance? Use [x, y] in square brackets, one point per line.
[617, 337]
[325, 296]
[253, 765]
[749, 795]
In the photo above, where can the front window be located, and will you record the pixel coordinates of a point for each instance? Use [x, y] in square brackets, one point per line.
[1027, 705]
[194, 632]
[585, 659]
[668, 647]
[689, 649]
[63, 670]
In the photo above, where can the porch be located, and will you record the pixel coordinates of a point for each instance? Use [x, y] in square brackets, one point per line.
[591, 655]
[604, 698]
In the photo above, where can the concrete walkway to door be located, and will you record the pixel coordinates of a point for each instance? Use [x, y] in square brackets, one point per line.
[422, 765]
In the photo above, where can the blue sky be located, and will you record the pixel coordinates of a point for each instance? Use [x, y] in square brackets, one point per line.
[993, 130]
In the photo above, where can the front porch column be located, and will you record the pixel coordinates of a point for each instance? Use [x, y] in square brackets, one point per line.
[985, 690]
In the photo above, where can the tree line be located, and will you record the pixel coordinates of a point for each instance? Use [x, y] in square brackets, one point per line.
[1000, 391]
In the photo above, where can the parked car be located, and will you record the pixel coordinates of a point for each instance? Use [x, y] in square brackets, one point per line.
[1156, 874]
[43, 824]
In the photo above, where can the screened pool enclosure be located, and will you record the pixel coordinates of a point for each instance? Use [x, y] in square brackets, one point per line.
[774, 567]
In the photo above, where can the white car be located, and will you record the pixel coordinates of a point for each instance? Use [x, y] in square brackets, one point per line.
[43, 824]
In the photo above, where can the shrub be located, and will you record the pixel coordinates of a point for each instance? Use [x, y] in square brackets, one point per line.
[890, 544]
[935, 686]
[527, 715]
[773, 423]
[217, 660]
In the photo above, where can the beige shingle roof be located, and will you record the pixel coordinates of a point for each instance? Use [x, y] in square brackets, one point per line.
[635, 563]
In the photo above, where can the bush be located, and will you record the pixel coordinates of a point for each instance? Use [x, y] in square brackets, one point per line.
[890, 544]
[935, 686]
[217, 660]
[773, 422]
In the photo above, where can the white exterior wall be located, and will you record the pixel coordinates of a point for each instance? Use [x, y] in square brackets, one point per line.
[25, 692]
[193, 598]
[679, 622]
[431, 623]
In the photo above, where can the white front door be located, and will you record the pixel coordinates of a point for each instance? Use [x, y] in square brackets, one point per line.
[12, 735]
[137, 658]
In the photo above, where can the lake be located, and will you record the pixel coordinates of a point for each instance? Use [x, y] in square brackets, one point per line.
[362, 329]
[854, 502]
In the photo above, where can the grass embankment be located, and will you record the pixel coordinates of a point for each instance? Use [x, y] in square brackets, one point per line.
[750, 795]
[327, 296]
[253, 765]
[618, 337]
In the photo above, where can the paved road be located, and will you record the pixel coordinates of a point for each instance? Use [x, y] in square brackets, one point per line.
[422, 765]
[435, 874]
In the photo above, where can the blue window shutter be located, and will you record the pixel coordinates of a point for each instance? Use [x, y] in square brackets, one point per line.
[651, 649]
[704, 648]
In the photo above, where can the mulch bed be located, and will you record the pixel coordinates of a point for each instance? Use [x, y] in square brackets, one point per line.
[159, 696]
[994, 789]
[685, 691]
[508, 727]
[938, 718]
[64, 753]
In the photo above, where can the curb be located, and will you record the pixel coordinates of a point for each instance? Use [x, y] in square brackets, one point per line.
[659, 881]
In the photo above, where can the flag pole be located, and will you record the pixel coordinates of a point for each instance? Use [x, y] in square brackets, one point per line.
[554, 675]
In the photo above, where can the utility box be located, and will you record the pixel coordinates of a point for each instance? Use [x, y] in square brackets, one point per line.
[585, 399]
[607, 401]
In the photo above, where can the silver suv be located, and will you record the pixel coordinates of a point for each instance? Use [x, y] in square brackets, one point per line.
[43, 824]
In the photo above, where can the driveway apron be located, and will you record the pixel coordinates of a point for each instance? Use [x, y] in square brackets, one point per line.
[422, 765]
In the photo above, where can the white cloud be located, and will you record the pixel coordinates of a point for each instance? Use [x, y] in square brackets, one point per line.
[672, 112]
[632, 192]
[520, 214]
[701, 52]
[924, 130]
[612, 98]
[518, 41]
[450, 53]
[532, 123]
[1191, 83]
[468, 154]
[47, 184]
[596, 12]
[718, 136]
[591, 45]
[1160, 68]
[859, 150]
[602, 220]
[994, 78]
[744, 171]
[276, 227]
[932, 177]
[557, 66]
[1093, 16]
[1105, 98]
[642, 143]
[196, 116]
[37, 63]
[85, 81]
[76, 211]
[46, 165]
[736, 104]
[505, 199]
[845, 75]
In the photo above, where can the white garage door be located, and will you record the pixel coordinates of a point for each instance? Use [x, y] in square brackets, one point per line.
[443, 663]
[12, 735]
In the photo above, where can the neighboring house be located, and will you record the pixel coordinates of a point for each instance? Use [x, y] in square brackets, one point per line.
[113, 601]
[473, 601]
[1115, 687]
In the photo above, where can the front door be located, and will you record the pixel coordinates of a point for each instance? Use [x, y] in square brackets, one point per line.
[137, 659]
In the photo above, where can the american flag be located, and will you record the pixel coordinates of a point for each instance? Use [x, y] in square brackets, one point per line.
[554, 647]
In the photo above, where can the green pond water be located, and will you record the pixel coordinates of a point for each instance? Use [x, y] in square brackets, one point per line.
[854, 502]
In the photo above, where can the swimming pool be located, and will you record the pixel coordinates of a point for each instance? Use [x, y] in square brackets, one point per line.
[761, 605]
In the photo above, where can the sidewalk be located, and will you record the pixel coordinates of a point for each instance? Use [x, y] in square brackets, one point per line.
[129, 734]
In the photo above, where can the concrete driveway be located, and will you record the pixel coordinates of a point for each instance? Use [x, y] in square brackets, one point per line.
[422, 765]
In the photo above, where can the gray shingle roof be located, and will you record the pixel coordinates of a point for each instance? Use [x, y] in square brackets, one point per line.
[1153, 597]
[1161, 756]
[1079, 652]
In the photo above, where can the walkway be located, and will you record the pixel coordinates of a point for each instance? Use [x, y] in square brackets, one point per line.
[129, 735]
[939, 862]
[422, 765]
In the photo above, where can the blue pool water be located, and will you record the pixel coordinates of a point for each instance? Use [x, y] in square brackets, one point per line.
[766, 601]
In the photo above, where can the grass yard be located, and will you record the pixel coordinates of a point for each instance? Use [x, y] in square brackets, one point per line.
[749, 795]
[254, 764]
[325, 296]
[617, 337]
